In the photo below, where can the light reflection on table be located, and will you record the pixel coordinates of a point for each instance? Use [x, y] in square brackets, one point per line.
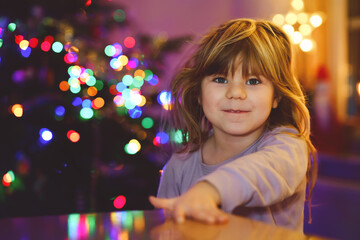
[136, 225]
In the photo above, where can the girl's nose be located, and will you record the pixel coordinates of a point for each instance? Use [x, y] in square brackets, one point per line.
[236, 91]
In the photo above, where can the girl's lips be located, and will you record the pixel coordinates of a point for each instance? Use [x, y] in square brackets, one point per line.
[235, 111]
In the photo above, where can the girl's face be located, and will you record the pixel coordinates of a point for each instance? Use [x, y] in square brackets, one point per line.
[236, 106]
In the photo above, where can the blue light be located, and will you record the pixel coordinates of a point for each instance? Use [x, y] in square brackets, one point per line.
[45, 135]
[86, 103]
[154, 80]
[26, 53]
[135, 112]
[59, 111]
[164, 138]
[77, 101]
[120, 86]
[164, 98]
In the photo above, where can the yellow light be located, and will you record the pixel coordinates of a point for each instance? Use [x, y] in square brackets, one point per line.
[291, 18]
[316, 20]
[17, 109]
[305, 29]
[297, 4]
[74, 82]
[297, 37]
[306, 45]
[24, 44]
[288, 28]
[279, 19]
[139, 73]
[302, 18]
[123, 60]
[358, 87]
[142, 102]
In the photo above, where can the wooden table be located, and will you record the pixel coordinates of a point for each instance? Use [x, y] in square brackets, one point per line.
[137, 225]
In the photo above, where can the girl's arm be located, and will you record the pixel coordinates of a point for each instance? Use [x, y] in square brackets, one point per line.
[200, 202]
[260, 179]
[265, 177]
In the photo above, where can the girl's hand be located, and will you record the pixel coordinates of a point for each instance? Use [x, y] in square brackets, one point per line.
[200, 203]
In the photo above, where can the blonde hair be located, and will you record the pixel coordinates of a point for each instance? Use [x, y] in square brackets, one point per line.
[265, 50]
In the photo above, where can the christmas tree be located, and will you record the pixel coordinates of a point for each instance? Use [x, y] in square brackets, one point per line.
[80, 108]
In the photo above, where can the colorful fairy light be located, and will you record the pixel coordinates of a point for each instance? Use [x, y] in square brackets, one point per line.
[45, 135]
[147, 122]
[119, 202]
[60, 111]
[8, 178]
[119, 15]
[17, 110]
[132, 147]
[129, 42]
[73, 136]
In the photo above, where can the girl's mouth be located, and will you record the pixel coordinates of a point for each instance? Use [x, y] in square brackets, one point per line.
[234, 111]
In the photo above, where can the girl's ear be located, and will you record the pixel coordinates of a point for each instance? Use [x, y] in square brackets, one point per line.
[276, 102]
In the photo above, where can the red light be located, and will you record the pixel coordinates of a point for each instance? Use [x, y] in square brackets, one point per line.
[119, 202]
[88, 3]
[33, 42]
[18, 38]
[49, 39]
[70, 57]
[156, 141]
[73, 136]
[45, 46]
[129, 42]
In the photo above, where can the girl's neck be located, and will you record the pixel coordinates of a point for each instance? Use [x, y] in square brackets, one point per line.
[219, 148]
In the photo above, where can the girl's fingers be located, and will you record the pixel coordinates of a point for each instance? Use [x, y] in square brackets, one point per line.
[161, 202]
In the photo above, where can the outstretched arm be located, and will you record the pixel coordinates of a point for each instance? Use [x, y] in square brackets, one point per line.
[200, 202]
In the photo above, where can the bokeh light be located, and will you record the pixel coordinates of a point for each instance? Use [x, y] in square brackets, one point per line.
[119, 15]
[57, 47]
[86, 113]
[129, 42]
[60, 111]
[45, 135]
[147, 123]
[73, 136]
[132, 147]
[119, 202]
[17, 110]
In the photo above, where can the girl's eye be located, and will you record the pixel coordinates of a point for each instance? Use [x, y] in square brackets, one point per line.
[220, 80]
[253, 81]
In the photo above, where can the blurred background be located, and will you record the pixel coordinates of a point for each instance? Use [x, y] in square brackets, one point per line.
[83, 88]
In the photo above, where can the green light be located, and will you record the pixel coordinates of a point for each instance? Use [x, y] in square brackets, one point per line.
[177, 137]
[119, 15]
[91, 81]
[148, 74]
[12, 176]
[129, 104]
[147, 123]
[86, 113]
[1, 42]
[75, 89]
[57, 47]
[90, 72]
[12, 27]
[99, 85]
[110, 50]
[138, 82]
[121, 111]
[92, 224]
[127, 80]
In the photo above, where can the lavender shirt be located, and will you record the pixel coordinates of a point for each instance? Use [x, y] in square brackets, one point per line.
[265, 182]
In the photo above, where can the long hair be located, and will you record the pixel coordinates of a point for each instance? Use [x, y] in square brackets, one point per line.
[265, 50]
